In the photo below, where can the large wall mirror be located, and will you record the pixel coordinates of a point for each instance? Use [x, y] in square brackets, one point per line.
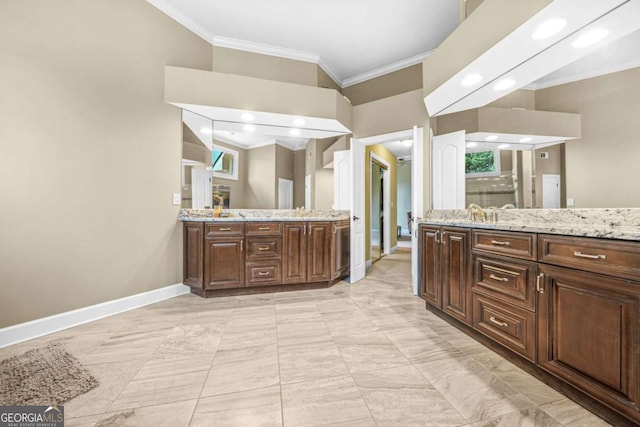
[247, 165]
[598, 170]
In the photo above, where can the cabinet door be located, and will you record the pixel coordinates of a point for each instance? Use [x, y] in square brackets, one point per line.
[588, 333]
[341, 249]
[224, 263]
[456, 277]
[294, 259]
[192, 254]
[430, 284]
[318, 251]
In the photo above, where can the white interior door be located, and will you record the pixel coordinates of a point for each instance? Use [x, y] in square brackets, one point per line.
[550, 191]
[417, 202]
[356, 182]
[200, 188]
[447, 166]
[285, 193]
[341, 178]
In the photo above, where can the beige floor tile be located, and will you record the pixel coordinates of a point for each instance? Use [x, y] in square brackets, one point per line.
[164, 381]
[402, 397]
[369, 352]
[331, 401]
[474, 391]
[422, 345]
[311, 361]
[242, 337]
[248, 408]
[175, 414]
[242, 369]
[190, 340]
[302, 333]
[88, 421]
[112, 379]
[533, 417]
[568, 413]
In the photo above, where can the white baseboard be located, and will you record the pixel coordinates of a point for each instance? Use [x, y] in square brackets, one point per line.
[36, 328]
[369, 263]
[393, 249]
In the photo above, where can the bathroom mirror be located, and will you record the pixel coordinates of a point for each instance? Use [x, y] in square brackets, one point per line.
[257, 166]
[598, 170]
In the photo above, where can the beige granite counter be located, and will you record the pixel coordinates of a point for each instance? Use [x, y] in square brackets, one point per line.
[206, 215]
[611, 223]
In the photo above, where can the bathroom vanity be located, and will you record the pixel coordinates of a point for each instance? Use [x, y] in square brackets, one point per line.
[255, 251]
[561, 296]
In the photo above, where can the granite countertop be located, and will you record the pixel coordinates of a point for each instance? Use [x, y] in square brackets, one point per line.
[611, 223]
[206, 215]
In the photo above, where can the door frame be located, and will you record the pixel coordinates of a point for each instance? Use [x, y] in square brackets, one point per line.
[386, 204]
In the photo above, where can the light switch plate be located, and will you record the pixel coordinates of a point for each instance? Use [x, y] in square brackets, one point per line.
[570, 202]
[177, 199]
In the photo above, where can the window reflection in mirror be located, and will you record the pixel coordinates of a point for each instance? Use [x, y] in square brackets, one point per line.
[224, 162]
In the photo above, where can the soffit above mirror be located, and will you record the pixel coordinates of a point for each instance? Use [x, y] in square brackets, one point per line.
[512, 128]
[286, 108]
[483, 74]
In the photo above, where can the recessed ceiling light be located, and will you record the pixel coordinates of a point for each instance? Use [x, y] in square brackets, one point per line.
[299, 122]
[503, 146]
[472, 144]
[504, 84]
[526, 139]
[294, 132]
[206, 131]
[471, 79]
[247, 117]
[491, 138]
[248, 128]
[590, 37]
[549, 28]
[407, 142]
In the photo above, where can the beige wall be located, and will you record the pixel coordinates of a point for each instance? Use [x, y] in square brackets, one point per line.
[252, 64]
[601, 167]
[321, 178]
[95, 154]
[388, 156]
[401, 81]
[325, 80]
[260, 191]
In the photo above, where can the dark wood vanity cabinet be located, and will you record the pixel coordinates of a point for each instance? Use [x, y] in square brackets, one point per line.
[568, 305]
[445, 278]
[222, 257]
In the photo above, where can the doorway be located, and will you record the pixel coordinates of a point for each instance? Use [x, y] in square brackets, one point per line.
[377, 210]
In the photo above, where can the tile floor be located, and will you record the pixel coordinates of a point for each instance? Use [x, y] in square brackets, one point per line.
[365, 354]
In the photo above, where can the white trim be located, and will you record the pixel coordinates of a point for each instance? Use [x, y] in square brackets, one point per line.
[585, 75]
[393, 249]
[47, 325]
[387, 137]
[369, 263]
[322, 64]
[386, 202]
[386, 69]
[173, 13]
[264, 49]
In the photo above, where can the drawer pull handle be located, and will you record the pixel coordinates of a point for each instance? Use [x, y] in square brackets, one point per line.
[498, 278]
[263, 248]
[225, 229]
[498, 322]
[500, 243]
[263, 273]
[263, 228]
[581, 255]
[539, 287]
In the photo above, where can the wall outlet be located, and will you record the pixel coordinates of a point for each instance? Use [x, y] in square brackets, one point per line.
[570, 202]
[544, 155]
[177, 199]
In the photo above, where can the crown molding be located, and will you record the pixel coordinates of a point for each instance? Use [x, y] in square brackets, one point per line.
[265, 49]
[586, 75]
[390, 68]
[173, 13]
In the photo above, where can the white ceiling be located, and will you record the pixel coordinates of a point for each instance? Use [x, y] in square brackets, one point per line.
[398, 148]
[353, 40]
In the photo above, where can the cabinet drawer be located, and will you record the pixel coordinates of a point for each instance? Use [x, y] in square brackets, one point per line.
[510, 326]
[611, 257]
[264, 247]
[519, 245]
[224, 229]
[263, 228]
[506, 279]
[263, 273]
